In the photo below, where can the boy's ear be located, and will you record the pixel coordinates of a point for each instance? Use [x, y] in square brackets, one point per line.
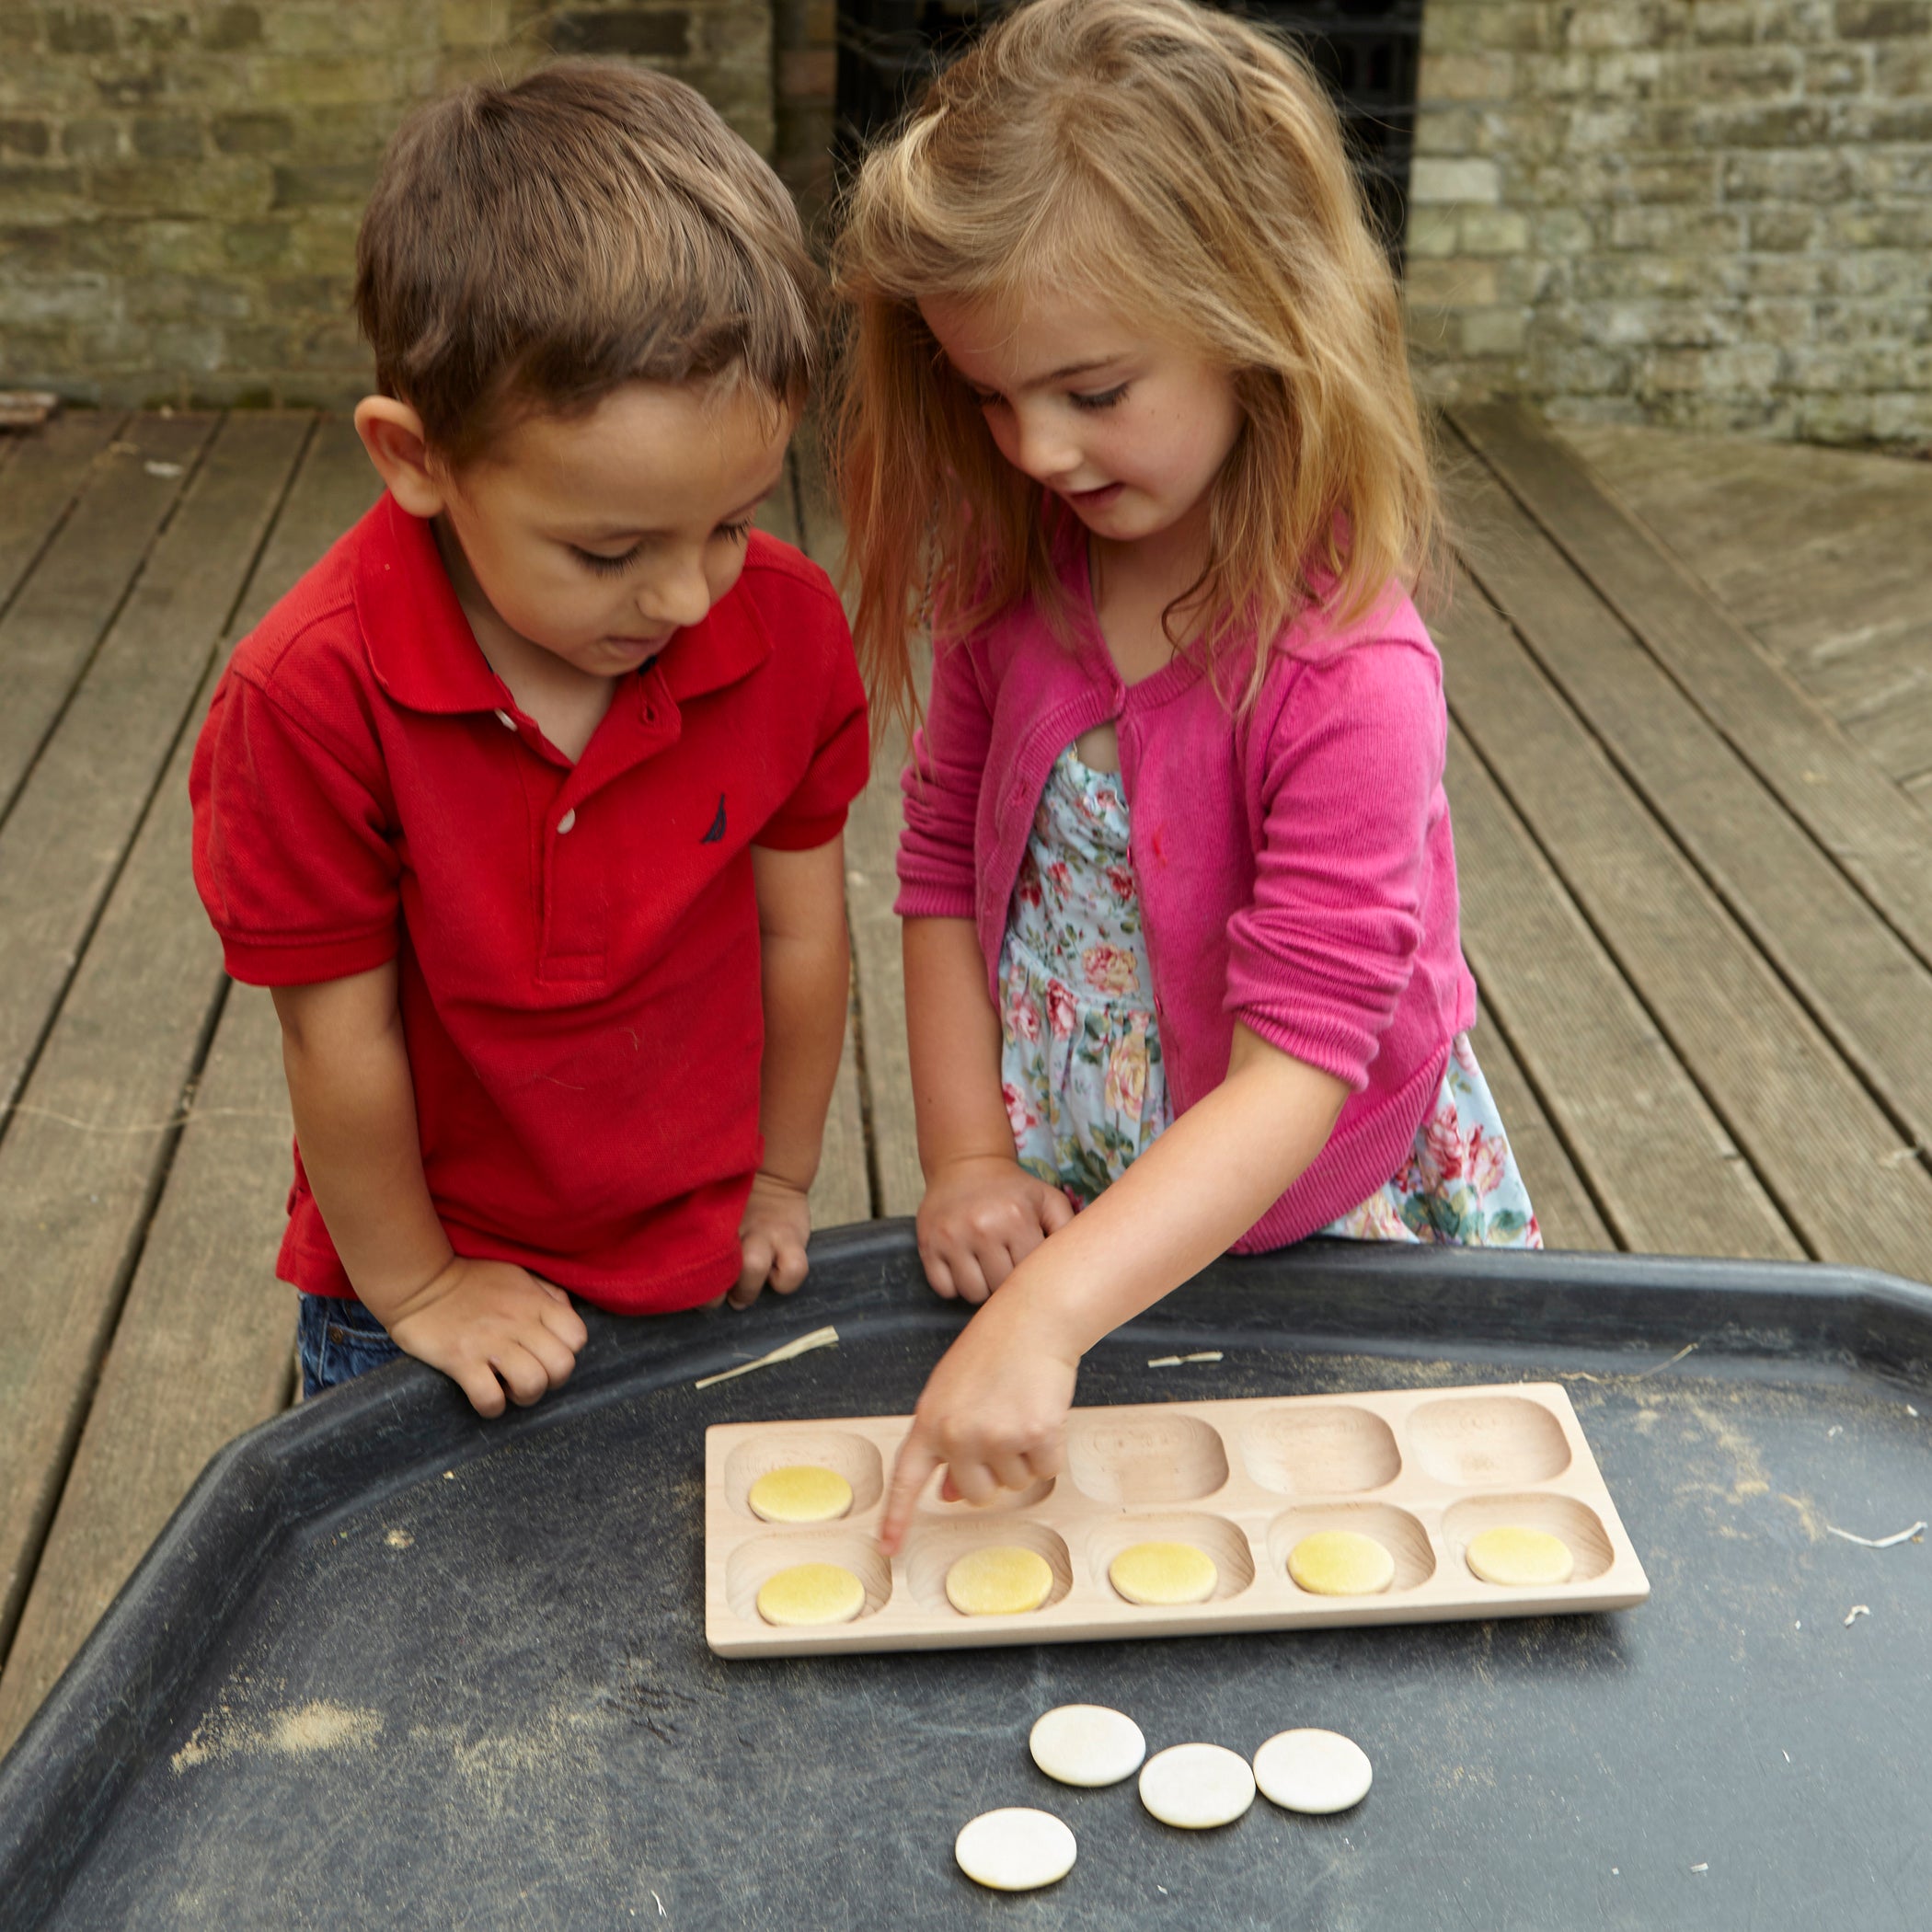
[392, 433]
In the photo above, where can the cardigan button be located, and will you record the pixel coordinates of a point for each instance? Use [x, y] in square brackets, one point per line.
[569, 819]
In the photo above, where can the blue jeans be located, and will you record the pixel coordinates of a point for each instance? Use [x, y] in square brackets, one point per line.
[339, 1340]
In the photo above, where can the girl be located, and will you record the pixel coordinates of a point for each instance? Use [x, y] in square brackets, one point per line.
[1129, 423]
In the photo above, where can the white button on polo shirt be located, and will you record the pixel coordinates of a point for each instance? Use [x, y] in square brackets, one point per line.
[508, 722]
[569, 819]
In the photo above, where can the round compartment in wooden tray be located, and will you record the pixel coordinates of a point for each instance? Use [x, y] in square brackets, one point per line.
[1572, 1523]
[1214, 1536]
[1482, 1441]
[751, 1565]
[1001, 1500]
[845, 1455]
[1321, 1449]
[1140, 1455]
[1397, 1532]
[935, 1546]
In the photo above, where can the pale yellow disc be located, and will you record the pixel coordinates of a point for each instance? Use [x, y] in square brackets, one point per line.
[1520, 1558]
[1341, 1563]
[812, 1593]
[803, 1493]
[1004, 1580]
[1164, 1573]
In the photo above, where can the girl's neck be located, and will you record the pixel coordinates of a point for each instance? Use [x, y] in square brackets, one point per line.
[1135, 584]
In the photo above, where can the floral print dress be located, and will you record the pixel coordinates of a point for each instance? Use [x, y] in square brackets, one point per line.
[1080, 1059]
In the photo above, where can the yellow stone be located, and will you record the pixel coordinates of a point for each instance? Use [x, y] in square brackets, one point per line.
[812, 1593]
[1001, 1581]
[1164, 1573]
[802, 1493]
[1341, 1563]
[1520, 1558]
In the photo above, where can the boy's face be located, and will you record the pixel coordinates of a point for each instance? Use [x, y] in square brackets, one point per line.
[596, 537]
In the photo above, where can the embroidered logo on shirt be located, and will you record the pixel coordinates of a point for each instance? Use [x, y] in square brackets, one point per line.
[716, 835]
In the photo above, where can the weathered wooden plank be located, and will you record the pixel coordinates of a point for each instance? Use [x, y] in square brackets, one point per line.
[871, 843]
[74, 590]
[63, 841]
[1669, 1178]
[201, 1352]
[843, 1190]
[47, 469]
[1565, 1212]
[86, 1147]
[1869, 826]
[1819, 1141]
[1859, 980]
[337, 484]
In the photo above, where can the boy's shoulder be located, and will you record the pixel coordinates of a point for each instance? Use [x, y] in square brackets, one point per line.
[780, 579]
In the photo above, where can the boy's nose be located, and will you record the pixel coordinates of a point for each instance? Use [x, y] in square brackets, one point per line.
[681, 596]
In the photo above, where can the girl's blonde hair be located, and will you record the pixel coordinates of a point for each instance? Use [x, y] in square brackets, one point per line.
[1181, 169]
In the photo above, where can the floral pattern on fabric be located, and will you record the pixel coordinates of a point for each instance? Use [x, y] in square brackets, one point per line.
[1080, 1052]
[1080, 1061]
[1459, 1184]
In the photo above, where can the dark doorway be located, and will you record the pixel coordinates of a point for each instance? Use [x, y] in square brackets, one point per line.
[1365, 49]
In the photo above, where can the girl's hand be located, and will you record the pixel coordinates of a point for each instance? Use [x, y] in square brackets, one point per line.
[494, 1328]
[771, 1239]
[983, 1215]
[993, 1411]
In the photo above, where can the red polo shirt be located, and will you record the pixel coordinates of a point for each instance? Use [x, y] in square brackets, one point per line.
[577, 945]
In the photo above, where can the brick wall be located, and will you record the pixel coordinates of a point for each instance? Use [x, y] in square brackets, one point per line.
[181, 184]
[1711, 214]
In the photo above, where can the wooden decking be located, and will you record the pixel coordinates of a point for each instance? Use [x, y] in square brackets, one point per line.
[1691, 686]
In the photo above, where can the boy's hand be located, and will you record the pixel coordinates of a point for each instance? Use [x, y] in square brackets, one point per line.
[771, 1239]
[981, 1216]
[992, 1411]
[492, 1328]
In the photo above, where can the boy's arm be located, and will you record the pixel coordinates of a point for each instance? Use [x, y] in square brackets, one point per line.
[491, 1326]
[806, 975]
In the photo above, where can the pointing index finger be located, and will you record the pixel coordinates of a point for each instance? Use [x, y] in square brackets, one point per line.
[916, 1460]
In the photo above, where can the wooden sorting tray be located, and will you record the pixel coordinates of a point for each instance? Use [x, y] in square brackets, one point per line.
[1421, 1470]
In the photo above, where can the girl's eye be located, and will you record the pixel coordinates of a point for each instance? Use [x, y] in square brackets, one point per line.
[1101, 398]
[985, 399]
[606, 565]
[735, 533]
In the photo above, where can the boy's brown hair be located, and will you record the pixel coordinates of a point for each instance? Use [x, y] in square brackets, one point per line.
[539, 245]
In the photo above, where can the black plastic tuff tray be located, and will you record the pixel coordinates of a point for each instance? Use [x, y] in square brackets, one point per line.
[391, 1665]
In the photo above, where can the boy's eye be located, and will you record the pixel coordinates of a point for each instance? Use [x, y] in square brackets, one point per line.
[735, 533]
[1099, 398]
[606, 565]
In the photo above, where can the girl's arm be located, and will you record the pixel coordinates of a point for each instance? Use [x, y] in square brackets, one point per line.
[983, 1213]
[993, 1410]
[806, 972]
[491, 1326]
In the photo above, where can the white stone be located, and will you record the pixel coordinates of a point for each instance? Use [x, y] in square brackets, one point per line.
[1017, 1850]
[1088, 1744]
[1317, 1771]
[1197, 1786]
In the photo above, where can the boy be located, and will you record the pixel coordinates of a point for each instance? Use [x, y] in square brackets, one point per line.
[526, 801]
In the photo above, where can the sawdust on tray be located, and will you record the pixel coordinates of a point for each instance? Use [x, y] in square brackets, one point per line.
[299, 1732]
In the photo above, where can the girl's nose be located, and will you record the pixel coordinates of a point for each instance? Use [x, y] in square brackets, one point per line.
[1042, 447]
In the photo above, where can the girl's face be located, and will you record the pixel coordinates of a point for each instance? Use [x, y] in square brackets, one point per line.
[1129, 430]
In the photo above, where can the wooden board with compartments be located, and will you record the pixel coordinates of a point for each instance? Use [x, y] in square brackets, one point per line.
[1420, 1471]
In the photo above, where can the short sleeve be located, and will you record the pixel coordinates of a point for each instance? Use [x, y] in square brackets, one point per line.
[1348, 783]
[841, 753]
[294, 856]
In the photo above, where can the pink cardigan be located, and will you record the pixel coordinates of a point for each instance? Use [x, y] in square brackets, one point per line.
[1296, 870]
